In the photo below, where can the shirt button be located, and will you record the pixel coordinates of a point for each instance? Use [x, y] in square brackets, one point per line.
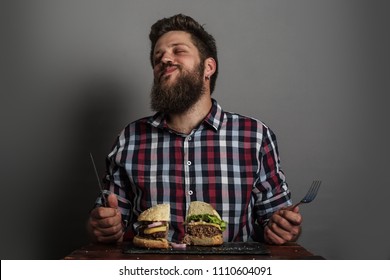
[190, 192]
[189, 162]
[189, 138]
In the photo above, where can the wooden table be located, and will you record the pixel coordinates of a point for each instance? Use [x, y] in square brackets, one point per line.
[115, 252]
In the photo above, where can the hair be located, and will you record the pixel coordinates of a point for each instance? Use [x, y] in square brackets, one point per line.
[204, 41]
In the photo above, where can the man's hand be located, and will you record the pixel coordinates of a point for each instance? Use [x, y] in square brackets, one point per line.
[105, 223]
[283, 226]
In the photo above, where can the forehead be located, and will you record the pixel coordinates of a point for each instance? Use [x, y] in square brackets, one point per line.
[173, 38]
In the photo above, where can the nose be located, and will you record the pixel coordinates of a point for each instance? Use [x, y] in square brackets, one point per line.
[163, 64]
[166, 59]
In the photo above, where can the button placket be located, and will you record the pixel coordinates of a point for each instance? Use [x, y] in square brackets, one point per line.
[187, 165]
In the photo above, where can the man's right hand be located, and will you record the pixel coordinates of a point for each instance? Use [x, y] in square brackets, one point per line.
[105, 223]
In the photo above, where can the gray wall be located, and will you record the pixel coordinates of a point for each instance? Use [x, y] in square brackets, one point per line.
[74, 73]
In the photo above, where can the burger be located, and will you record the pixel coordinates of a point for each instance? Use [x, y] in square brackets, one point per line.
[153, 225]
[204, 226]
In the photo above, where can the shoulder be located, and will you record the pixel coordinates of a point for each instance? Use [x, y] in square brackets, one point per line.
[137, 125]
[133, 130]
[133, 134]
[244, 122]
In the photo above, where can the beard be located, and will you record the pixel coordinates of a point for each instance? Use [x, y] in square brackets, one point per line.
[181, 95]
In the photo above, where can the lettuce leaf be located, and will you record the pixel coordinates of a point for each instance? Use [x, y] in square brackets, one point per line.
[208, 219]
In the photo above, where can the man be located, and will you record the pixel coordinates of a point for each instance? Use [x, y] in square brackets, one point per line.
[193, 150]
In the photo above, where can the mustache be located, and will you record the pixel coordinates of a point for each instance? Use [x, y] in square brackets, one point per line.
[165, 66]
[168, 64]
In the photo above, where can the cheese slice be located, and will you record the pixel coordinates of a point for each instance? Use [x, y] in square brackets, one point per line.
[155, 229]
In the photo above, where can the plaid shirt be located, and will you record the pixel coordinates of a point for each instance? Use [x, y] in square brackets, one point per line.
[229, 161]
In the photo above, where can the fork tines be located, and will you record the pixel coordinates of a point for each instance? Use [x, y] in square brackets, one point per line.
[312, 193]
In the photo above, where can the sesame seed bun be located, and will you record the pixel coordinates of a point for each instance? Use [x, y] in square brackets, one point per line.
[159, 212]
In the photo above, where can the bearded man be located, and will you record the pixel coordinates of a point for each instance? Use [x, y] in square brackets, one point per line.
[192, 150]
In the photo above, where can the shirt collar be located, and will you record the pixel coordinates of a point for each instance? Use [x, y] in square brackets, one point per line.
[214, 119]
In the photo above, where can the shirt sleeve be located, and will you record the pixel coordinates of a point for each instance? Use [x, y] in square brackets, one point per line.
[271, 191]
[116, 181]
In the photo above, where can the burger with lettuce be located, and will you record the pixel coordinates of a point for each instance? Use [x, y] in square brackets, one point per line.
[204, 226]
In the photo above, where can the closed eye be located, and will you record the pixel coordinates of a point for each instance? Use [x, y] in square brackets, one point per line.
[179, 51]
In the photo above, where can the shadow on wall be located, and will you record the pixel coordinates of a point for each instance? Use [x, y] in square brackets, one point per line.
[91, 128]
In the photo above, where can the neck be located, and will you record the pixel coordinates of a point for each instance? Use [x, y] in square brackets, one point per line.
[190, 119]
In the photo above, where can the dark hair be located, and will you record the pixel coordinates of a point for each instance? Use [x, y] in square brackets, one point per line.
[201, 39]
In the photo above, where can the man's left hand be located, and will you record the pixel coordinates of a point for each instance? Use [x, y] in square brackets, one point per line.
[283, 226]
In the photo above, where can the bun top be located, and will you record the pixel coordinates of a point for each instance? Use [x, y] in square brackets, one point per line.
[200, 208]
[159, 212]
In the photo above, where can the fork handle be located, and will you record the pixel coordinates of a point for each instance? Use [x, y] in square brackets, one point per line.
[296, 204]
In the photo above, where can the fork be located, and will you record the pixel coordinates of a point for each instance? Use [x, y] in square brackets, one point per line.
[311, 193]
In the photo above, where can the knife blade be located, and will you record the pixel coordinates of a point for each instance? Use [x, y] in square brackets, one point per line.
[104, 201]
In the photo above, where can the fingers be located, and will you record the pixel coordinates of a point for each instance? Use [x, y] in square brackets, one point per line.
[293, 209]
[296, 209]
[103, 212]
[291, 216]
[284, 226]
[105, 220]
[272, 237]
[106, 212]
[107, 237]
[112, 200]
[108, 229]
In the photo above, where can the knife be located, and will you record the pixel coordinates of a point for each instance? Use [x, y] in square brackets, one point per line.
[104, 201]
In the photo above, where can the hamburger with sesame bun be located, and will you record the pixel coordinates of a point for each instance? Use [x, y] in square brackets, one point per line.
[152, 231]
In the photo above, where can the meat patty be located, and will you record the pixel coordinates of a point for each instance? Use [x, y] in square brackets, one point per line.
[203, 230]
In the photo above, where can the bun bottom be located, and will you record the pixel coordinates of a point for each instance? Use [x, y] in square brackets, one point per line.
[150, 243]
[204, 241]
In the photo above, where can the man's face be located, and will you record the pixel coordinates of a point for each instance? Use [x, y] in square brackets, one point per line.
[178, 73]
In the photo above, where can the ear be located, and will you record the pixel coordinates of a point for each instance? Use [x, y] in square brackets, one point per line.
[210, 66]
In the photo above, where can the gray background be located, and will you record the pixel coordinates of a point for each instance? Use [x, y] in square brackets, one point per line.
[74, 73]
